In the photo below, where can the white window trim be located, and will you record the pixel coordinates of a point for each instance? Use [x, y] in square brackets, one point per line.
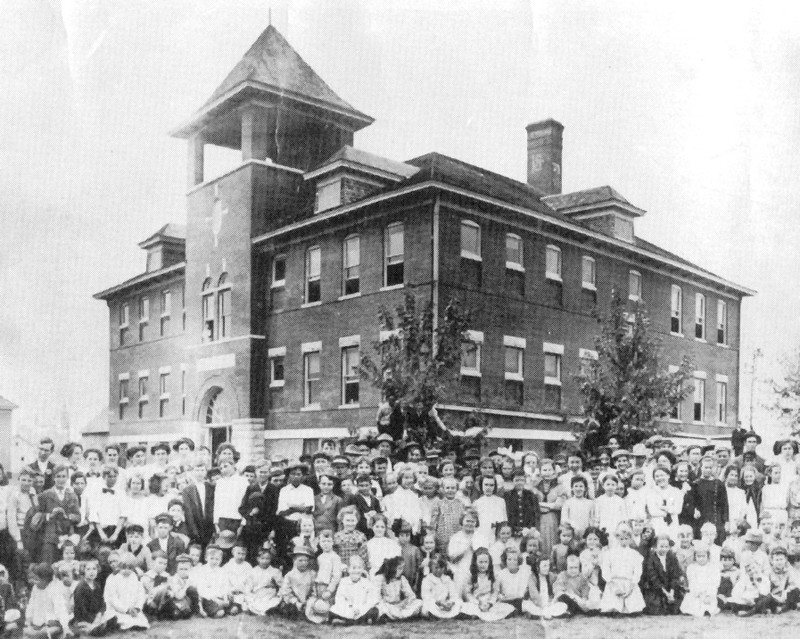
[589, 286]
[165, 369]
[474, 336]
[349, 296]
[273, 354]
[126, 323]
[310, 407]
[124, 400]
[554, 349]
[144, 398]
[393, 287]
[516, 266]
[516, 342]
[384, 336]
[548, 274]
[515, 377]
[277, 383]
[552, 381]
[350, 340]
[277, 283]
[632, 296]
[163, 396]
[277, 351]
[348, 406]
[585, 353]
[311, 347]
[721, 378]
[311, 304]
[469, 255]
[700, 375]
[144, 373]
[124, 376]
[519, 343]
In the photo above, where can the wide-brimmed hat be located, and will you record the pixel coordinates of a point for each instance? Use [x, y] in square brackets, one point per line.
[384, 437]
[754, 536]
[317, 611]
[226, 539]
[297, 465]
[776, 448]
[620, 452]
[352, 449]
[752, 433]
[302, 549]
[183, 440]
[640, 450]
[340, 460]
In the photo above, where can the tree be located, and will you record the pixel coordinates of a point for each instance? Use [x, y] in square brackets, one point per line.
[417, 361]
[787, 393]
[625, 390]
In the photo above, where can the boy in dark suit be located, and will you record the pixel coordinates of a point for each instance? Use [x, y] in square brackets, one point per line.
[165, 541]
[198, 504]
[60, 510]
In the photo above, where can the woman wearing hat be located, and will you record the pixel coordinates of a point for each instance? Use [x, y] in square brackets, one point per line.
[785, 451]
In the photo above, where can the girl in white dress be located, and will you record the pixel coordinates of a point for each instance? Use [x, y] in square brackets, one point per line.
[540, 589]
[621, 567]
[514, 578]
[774, 496]
[737, 501]
[663, 504]
[482, 592]
[785, 451]
[262, 585]
[491, 511]
[125, 596]
[136, 509]
[461, 547]
[380, 547]
[703, 577]
[440, 598]
[398, 600]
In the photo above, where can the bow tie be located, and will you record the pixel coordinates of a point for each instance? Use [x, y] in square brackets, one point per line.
[92, 473]
[110, 491]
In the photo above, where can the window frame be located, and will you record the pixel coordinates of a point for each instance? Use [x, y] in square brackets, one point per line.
[557, 351]
[721, 412]
[519, 374]
[144, 316]
[552, 275]
[634, 276]
[700, 314]
[124, 322]
[273, 355]
[311, 278]
[346, 266]
[223, 308]
[394, 260]
[722, 322]
[207, 312]
[324, 188]
[274, 281]
[518, 265]
[699, 390]
[589, 286]
[350, 380]
[144, 397]
[474, 338]
[676, 310]
[166, 312]
[467, 253]
[307, 380]
[163, 392]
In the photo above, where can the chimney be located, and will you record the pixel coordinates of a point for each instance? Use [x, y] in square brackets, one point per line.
[544, 156]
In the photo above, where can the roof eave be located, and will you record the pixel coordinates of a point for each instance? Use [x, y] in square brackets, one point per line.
[139, 279]
[356, 167]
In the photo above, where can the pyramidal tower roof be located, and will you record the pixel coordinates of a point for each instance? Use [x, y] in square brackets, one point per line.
[271, 66]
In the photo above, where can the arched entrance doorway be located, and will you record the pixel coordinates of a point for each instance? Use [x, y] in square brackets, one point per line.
[217, 414]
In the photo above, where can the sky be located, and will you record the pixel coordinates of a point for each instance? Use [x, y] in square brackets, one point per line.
[691, 110]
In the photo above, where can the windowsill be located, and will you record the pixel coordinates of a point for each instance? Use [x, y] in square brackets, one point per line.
[694, 423]
[701, 340]
[552, 381]
[277, 384]
[144, 399]
[553, 278]
[672, 420]
[467, 255]
[310, 408]
[349, 296]
[311, 304]
[514, 377]
[634, 298]
[514, 266]
[470, 372]
[722, 424]
[589, 287]
[349, 406]
[164, 396]
[124, 327]
[677, 334]
[278, 284]
[723, 345]
[393, 287]
[124, 402]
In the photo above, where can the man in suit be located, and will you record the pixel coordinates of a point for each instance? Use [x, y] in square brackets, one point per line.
[165, 541]
[43, 463]
[258, 507]
[60, 510]
[198, 503]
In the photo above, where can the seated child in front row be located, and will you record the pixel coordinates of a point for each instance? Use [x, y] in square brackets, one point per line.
[211, 581]
[566, 544]
[440, 598]
[703, 577]
[45, 615]
[89, 609]
[729, 575]
[263, 585]
[481, 593]
[357, 598]
[156, 587]
[397, 599]
[329, 573]
[182, 595]
[238, 571]
[125, 596]
[297, 584]
[9, 606]
[541, 604]
[662, 579]
[621, 568]
[572, 588]
[514, 579]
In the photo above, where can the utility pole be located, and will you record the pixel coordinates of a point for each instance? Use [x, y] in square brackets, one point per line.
[756, 354]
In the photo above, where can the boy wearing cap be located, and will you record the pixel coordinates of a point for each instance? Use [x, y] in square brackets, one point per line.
[166, 542]
[784, 588]
[298, 584]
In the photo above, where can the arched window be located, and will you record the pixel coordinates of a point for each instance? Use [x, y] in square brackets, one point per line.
[208, 311]
[223, 307]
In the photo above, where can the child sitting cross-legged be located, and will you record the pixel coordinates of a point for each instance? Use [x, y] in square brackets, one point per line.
[182, 595]
[662, 579]
[45, 615]
[357, 598]
[751, 587]
[572, 588]
[89, 609]
[298, 584]
[156, 586]
[263, 585]
[540, 590]
[238, 571]
[481, 593]
[622, 568]
[440, 598]
[213, 588]
[398, 600]
[703, 577]
[125, 596]
[729, 575]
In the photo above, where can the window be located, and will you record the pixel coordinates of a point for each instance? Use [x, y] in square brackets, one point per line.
[394, 252]
[552, 368]
[311, 372]
[722, 399]
[350, 375]
[700, 316]
[224, 307]
[144, 316]
[553, 354]
[166, 310]
[313, 266]
[183, 389]
[124, 323]
[624, 229]
[634, 285]
[183, 309]
[279, 271]
[553, 263]
[163, 397]
[588, 273]
[351, 266]
[722, 322]
[123, 395]
[514, 253]
[329, 196]
[208, 311]
[143, 397]
[677, 310]
[470, 240]
[514, 350]
[471, 354]
[699, 397]
[276, 363]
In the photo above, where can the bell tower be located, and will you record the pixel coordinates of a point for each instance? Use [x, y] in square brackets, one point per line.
[284, 120]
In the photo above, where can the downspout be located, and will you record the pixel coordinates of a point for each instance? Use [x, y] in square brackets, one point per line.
[435, 266]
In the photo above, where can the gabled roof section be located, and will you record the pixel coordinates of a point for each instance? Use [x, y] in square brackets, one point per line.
[590, 199]
[349, 157]
[170, 231]
[7, 405]
[271, 65]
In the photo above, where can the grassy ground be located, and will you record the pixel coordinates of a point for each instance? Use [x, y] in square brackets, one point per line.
[721, 627]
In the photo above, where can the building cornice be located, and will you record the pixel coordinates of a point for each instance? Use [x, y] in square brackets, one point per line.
[144, 278]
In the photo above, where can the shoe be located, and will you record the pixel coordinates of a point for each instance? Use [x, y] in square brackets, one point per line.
[746, 613]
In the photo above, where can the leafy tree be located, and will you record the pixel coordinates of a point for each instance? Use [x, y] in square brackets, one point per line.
[626, 391]
[787, 393]
[417, 363]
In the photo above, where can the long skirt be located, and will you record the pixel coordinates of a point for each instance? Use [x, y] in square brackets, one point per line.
[498, 611]
[404, 610]
[431, 609]
[548, 527]
[261, 602]
[613, 602]
[555, 609]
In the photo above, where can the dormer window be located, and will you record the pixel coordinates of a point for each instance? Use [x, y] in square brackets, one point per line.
[624, 229]
[329, 196]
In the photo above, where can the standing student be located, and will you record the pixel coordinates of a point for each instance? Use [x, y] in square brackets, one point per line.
[60, 510]
[104, 506]
[43, 463]
[710, 500]
[198, 504]
[491, 511]
[166, 542]
[326, 504]
[609, 508]
[578, 510]
[228, 494]
[551, 496]
[380, 547]
[446, 514]
[294, 500]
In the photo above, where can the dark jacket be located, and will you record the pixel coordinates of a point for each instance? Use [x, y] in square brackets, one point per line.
[655, 577]
[175, 547]
[49, 501]
[522, 510]
[48, 473]
[364, 505]
[199, 519]
[268, 506]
